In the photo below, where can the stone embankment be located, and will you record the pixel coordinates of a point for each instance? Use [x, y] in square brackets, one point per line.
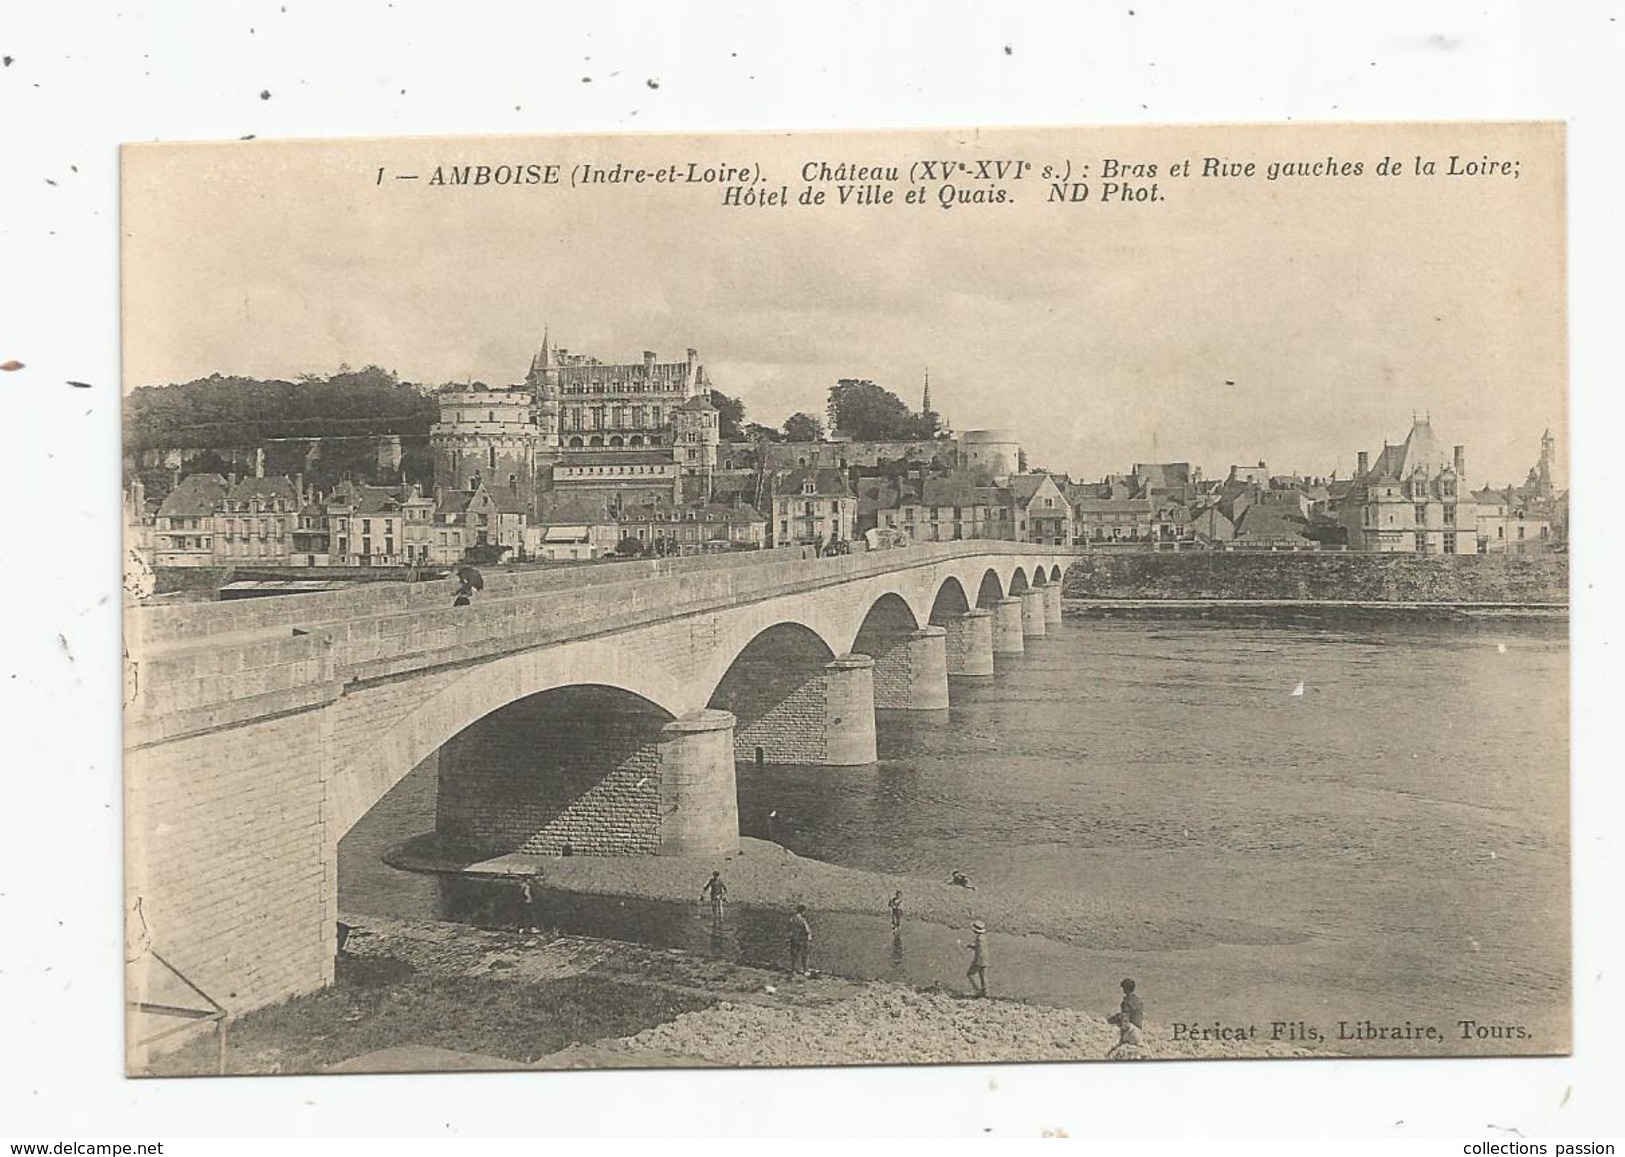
[1330, 576]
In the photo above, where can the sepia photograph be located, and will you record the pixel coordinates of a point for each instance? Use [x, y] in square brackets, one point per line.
[811, 599]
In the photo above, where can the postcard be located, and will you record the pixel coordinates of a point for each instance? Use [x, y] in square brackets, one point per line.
[1005, 594]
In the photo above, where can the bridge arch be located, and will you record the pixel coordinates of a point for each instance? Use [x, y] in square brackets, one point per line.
[570, 769]
[774, 689]
[991, 588]
[888, 617]
[375, 761]
[1018, 581]
[950, 600]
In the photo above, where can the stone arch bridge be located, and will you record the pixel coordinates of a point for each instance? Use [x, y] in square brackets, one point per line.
[598, 710]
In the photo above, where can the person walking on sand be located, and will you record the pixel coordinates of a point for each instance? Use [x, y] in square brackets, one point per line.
[896, 906]
[800, 941]
[977, 972]
[716, 889]
[527, 907]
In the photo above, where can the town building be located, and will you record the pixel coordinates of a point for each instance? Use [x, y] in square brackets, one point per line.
[1105, 514]
[183, 531]
[1412, 499]
[254, 522]
[1042, 512]
[367, 526]
[945, 509]
[700, 528]
[813, 507]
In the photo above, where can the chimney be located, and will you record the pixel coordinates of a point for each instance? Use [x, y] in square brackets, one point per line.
[1363, 465]
[299, 488]
[1461, 462]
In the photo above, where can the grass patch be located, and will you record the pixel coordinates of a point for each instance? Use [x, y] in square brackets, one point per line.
[378, 1004]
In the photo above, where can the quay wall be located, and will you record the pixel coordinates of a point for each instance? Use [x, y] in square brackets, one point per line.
[1332, 576]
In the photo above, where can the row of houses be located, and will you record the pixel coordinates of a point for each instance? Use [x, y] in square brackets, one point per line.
[209, 520]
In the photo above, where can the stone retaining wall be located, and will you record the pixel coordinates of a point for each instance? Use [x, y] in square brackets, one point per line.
[1339, 575]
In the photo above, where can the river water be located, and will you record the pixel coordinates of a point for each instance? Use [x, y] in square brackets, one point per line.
[1399, 827]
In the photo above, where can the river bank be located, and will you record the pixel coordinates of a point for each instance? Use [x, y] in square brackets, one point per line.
[763, 874]
[425, 996]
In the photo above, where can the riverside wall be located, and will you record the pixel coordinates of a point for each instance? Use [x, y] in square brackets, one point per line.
[1332, 576]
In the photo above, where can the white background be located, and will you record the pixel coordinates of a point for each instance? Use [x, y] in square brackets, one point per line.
[83, 80]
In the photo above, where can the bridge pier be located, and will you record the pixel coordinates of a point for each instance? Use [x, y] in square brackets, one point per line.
[1007, 633]
[1032, 613]
[970, 644]
[1052, 603]
[699, 799]
[827, 719]
[849, 711]
[912, 675]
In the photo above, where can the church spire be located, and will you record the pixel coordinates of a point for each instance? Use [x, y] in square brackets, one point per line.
[925, 401]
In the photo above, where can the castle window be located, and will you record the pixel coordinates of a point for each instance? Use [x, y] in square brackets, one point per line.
[1421, 514]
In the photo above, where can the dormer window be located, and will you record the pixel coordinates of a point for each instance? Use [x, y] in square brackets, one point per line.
[809, 487]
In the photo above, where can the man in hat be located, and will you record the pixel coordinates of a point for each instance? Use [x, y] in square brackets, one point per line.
[800, 940]
[977, 972]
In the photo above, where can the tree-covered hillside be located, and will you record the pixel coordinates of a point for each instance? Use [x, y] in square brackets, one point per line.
[224, 412]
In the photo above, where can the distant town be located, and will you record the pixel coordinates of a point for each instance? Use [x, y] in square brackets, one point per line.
[585, 460]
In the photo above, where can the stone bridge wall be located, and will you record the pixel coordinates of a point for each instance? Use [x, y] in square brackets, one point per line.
[258, 734]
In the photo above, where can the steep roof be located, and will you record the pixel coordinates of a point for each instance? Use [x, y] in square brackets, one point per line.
[1262, 523]
[1024, 486]
[560, 506]
[1111, 506]
[1420, 449]
[264, 490]
[197, 495]
[827, 482]
[961, 490]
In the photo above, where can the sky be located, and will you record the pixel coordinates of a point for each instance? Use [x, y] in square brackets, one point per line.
[1235, 319]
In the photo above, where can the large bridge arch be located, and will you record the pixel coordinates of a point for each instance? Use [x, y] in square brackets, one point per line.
[371, 763]
[569, 769]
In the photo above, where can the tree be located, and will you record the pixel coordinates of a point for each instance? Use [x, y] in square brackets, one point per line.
[730, 415]
[756, 432]
[870, 413]
[803, 427]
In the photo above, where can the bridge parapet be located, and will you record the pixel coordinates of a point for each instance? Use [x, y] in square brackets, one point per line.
[192, 623]
[371, 634]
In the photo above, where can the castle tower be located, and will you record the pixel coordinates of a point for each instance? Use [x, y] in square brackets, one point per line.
[697, 434]
[543, 383]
